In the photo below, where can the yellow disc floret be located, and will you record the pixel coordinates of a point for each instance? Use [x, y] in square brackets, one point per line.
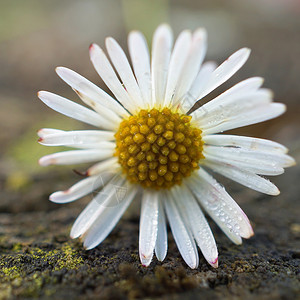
[158, 148]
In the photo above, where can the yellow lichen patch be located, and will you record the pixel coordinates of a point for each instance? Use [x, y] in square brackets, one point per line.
[158, 148]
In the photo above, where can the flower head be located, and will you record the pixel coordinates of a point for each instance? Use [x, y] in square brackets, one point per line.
[147, 140]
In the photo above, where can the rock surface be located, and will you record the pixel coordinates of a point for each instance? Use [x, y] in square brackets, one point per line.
[38, 259]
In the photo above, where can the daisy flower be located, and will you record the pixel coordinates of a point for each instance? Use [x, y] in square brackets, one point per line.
[147, 142]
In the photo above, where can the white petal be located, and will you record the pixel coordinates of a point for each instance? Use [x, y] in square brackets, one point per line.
[123, 68]
[250, 157]
[161, 246]
[77, 138]
[244, 142]
[244, 177]
[107, 221]
[148, 226]
[191, 66]
[197, 223]
[236, 92]
[255, 115]
[261, 169]
[220, 206]
[140, 58]
[86, 88]
[108, 75]
[232, 108]
[106, 165]
[76, 157]
[178, 58]
[199, 84]
[183, 238]
[161, 52]
[103, 111]
[226, 70]
[80, 189]
[238, 95]
[74, 110]
[107, 198]
[47, 131]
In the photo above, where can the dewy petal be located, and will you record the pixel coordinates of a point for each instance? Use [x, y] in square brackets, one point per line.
[231, 109]
[183, 238]
[161, 246]
[74, 110]
[148, 226]
[244, 177]
[123, 68]
[197, 223]
[140, 59]
[235, 94]
[108, 75]
[244, 142]
[242, 88]
[80, 189]
[76, 157]
[76, 138]
[105, 223]
[220, 206]
[253, 116]
[105, 199]
[178, 58]
[226, 70]
[161, 52]
[199, 84]
[84, 87]
[250, 157]
[266, 168]
[192, 65]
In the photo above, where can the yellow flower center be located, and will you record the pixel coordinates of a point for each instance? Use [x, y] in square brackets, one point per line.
[158, 148]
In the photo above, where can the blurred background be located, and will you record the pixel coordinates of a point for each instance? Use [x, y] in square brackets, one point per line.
[36, 36]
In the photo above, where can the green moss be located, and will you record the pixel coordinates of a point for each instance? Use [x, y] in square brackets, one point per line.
[70, 259]
[23, 272]
[11, 273]
[66, 257]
